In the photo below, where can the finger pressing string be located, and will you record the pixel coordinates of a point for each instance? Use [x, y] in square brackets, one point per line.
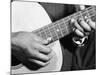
[75, 23]
[90, 22]
[79, 33]
[84, 24]
[80, 7]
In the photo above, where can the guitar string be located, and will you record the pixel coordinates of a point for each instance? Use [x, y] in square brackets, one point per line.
[75, 14]
[66, 29]
[69, 18]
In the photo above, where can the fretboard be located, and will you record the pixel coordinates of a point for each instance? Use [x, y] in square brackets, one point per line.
[62, 27]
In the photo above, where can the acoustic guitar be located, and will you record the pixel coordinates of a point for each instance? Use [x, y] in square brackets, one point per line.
[31, 17]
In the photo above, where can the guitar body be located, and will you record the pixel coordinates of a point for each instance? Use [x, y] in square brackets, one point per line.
[29, 16]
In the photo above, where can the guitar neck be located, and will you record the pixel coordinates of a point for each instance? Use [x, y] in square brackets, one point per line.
[61, 28]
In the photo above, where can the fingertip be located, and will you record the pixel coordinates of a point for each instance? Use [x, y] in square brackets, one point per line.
[92, 24]
[45, 41]
[79, 33]
[82, 7]
[72, 20]
[42, 64]
[84, 24]
[45, 64]
[76, 24]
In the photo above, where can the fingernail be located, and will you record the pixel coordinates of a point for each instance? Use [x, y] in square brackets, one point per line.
[86, 19]
[46, 41]
[49, 39]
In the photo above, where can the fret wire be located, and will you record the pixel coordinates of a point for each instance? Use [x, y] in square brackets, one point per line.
[40, 32]
[57, 35]
[87, 13]
[84, 13]
[90, 8]
[43, 35]
[44, 31]
[56, 24]
[54, 31]
[52, 24]
[61, 24]
[94, 8]
[60, 29]
[92, 15]
[68, 21]
[47, 32]
[76, 15]
[65, 26]
[68, 18]
[42, 28]
[64, 23]
[81, 14]
[37, 32]
[91, 11]
[50, 32]
[70, 27]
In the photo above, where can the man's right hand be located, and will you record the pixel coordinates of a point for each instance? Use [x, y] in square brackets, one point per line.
[27, 46]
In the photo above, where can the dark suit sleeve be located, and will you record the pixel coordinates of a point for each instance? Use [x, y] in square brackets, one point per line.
[85, 57]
